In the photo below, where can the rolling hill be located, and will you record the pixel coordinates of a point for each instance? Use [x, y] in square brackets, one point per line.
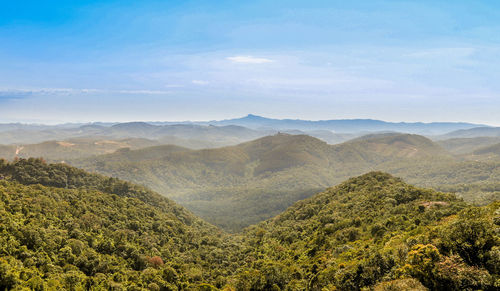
[58, 151]
[236, 186]
[63, 228]
[374, 232]
[346, 125]
[195, 135]
[463, 146]
[493, 150]
[472, 132]
[219, 133]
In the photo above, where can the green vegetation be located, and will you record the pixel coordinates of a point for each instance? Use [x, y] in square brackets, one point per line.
[237, 186]
[491, 151]
[64, 228]
[463, 146]
[375, 231]
[474, 181]
[187, 135]
[72, 148]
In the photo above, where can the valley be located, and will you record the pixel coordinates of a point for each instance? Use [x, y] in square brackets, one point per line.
[250, 214]
[249, 145]
[263, 177]
[64, 228]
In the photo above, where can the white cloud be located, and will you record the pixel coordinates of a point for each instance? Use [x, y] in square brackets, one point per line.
[146, 92]
[450, 52]
[200, 82]
[249, 60]
[67, 91]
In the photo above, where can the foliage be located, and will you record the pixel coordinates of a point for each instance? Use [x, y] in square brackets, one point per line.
[64, 228]
[237, 186]
[376, 231]
[103, 233]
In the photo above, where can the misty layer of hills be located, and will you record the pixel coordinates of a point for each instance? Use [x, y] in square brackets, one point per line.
[234, 176]
[236, 186]
[241, 205]
[232, 131]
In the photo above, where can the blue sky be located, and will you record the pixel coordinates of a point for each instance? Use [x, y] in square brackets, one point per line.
[72, 61]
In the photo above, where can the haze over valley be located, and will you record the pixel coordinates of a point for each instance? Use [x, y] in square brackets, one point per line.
[235, 176]
[249, 145]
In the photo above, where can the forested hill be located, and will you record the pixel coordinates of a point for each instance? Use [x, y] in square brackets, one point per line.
[375, 232]
[63, 228]
[237, 186]
[345, 125]
[37, 171]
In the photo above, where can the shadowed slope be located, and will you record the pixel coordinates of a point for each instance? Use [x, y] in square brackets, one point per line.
[63, 228]
[239, 185]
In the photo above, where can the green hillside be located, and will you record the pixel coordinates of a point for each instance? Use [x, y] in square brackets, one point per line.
[492, 151]
[374, 232]
[240, 185]
[398, 145]
[62, 228]
[473, 132]
[57, 151]
[461, 146]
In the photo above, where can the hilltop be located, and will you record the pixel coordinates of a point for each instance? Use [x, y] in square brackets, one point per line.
[492, 150]
[216, 133]
[473, 132]
[63, 228]
[194, 135]
[397, 145]
[373, 231]
[463, 146]
[72, 148]
[236, 186]
[346, 125]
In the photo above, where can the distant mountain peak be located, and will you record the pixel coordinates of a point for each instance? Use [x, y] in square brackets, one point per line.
[344, 125]
[133, 124]
[254, 117]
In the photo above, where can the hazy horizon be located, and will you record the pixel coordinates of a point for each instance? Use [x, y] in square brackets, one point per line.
[291, 145]
[48, 122]
[115, 61]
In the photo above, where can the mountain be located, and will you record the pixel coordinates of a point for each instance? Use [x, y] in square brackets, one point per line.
[63, 228]
[22, 126]
[461, 146]
[198, 135]
[220, 132]
[240, 185]
[66, 229]
[346, 125]
[374, 232]
[472, 132]
[72, 148]
[398, 145]
[490, 151]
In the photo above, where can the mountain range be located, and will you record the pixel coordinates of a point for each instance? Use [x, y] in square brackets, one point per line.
[240, 185]
[347, 125]
[232, 131]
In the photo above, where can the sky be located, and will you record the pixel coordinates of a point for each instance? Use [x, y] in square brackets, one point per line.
[84, 61]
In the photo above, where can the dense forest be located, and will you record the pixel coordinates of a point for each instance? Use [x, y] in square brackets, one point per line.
[375, 231]
[237, 186]
[64, 228]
